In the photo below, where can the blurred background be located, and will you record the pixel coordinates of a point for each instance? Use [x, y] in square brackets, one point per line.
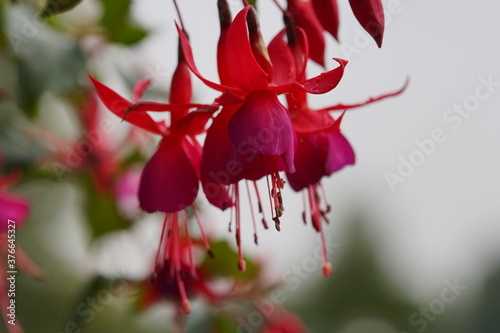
[415, 224]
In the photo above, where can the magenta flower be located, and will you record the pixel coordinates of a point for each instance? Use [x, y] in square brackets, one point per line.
[370, 14]
[252, 137]
[170, 179]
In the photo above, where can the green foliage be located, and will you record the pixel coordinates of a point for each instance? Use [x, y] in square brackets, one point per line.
[117, 23]
[225, 263]
[54, 7]
[100, 209]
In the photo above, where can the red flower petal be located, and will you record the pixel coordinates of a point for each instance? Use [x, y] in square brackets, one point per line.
[188, 55]
[120, 106]
[139, 89]
[222, 65]
[284, 64]
[370, 100]
[370, 14]
[340, 153]
[244, 68]
[217, 169]
[312, 121]
[12, 207]
[304, 16]
[327, 12]
[180, 89]
[192, 124]
[169, 181]
[263, 124]
[310, 158]
[326, 81]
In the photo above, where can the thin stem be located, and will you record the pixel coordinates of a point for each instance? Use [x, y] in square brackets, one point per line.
[279, 6]
[179, 15]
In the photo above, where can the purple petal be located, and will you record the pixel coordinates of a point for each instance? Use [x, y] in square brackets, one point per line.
[169, 181]
[340, 153]
[262, 124]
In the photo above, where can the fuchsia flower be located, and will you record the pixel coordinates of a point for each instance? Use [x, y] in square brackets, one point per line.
[370, 14]
[327, 12]
[320, 148]
[305, 17]
[252, 136]
[12, 206]
[283, 321]
[170, 179]
[14, 210]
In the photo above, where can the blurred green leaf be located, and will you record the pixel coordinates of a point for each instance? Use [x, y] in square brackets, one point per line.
[117, 23]
[100, 209]
[54, 7]
[225, 263]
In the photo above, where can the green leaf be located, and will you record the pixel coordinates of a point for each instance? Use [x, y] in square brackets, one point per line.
[117, 23]
[100, 209]
[225, 263]
[46, 61]
[54, 7]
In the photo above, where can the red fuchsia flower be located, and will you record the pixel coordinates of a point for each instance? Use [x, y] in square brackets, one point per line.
[12, 206]
[170, 179]
[327, 12]
[177, 276]
[305, 17]
[320, 148]
[370, 14]
[14, 210]
[252, 136]
[282, 321]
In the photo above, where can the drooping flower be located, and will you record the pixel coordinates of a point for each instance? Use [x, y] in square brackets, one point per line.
[320, 149]
[327, 12]
[252, 136]
[305, 17]
[170, 179]
[370, 14]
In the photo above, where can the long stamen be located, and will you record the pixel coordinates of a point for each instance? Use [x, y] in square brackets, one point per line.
[255, 238]
[203, 235]
[327, 266]
[328, 206]
[190, 246]
[264, 223]
[186, 306]
[270, 199]
[232, 211]
[304, 201]
[173, 239]
[241, 261]
[158, 263]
